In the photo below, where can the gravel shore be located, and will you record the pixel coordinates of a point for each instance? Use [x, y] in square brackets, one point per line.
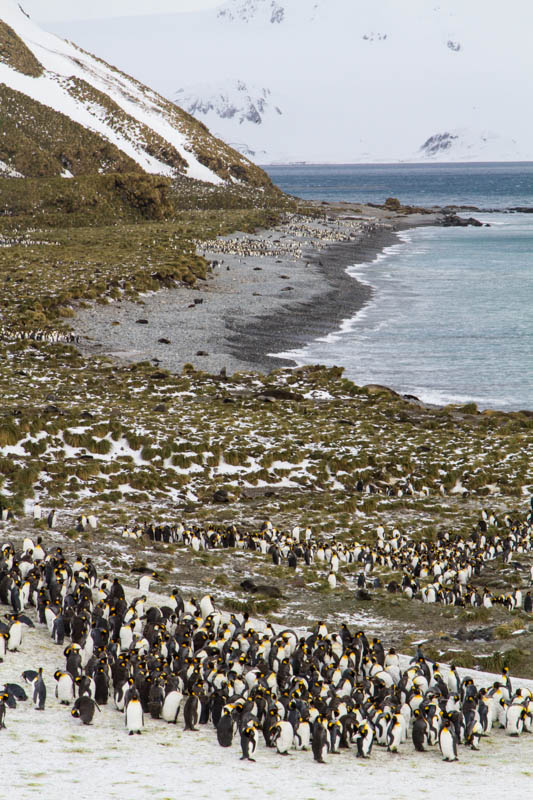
[267, 293]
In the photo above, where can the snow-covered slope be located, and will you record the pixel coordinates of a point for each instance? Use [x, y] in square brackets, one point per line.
[67, 112]
[354, 81]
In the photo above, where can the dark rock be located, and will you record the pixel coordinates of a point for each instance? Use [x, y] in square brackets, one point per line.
[248, 585]
[362, 594]
[158, 376]
[163, 340]
[454, 221]
[201, 353]
[476, 634]
[141, 321]
[198, 301]
[392, 204]
[160, 407]
[221, 496]
[377, 388]
[268, 590]
[273, 392]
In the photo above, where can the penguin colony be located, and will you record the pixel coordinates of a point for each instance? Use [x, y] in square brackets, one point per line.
[447, 566]
[39, 335]
[432, 572]
[281, 242]
[320, 691]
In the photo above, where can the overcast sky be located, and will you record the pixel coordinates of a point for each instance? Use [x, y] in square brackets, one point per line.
[63, 10]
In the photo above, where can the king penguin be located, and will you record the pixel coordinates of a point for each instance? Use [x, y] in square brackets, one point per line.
[282, 737]
[319, 741]
[448, 741]
[364, 740]
[39, 691]
[191, 712]
[64, 687]
[171, 706]
[225, 728]
[134, 716]
[84, 708]
[248, 742]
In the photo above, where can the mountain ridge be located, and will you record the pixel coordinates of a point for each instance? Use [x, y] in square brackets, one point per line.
[66, 112]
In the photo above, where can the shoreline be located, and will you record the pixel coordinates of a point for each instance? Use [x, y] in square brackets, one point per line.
[270, 292]
[343, 297]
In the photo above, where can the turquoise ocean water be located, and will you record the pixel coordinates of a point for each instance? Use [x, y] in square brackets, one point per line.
[451, 314]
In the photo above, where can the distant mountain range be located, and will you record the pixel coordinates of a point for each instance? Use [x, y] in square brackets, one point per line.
[65, 112]
[340, 80]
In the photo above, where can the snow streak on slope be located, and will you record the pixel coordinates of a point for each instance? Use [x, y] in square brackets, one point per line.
[62, 60]
[7, 172]
[355, 81]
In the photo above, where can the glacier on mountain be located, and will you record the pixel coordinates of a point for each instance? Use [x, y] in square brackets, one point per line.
[233, 100]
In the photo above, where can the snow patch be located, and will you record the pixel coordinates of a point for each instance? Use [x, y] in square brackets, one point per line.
[8, 172]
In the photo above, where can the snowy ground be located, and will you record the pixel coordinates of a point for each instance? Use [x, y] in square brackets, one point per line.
[51, 754]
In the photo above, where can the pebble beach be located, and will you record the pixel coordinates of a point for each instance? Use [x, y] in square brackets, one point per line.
[266, 293]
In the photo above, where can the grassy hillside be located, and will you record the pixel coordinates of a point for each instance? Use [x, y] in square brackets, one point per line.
[39, 142]
[16, 54]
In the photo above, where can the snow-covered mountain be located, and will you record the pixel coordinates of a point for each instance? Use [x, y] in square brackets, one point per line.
[65, 112]
[354, 81]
